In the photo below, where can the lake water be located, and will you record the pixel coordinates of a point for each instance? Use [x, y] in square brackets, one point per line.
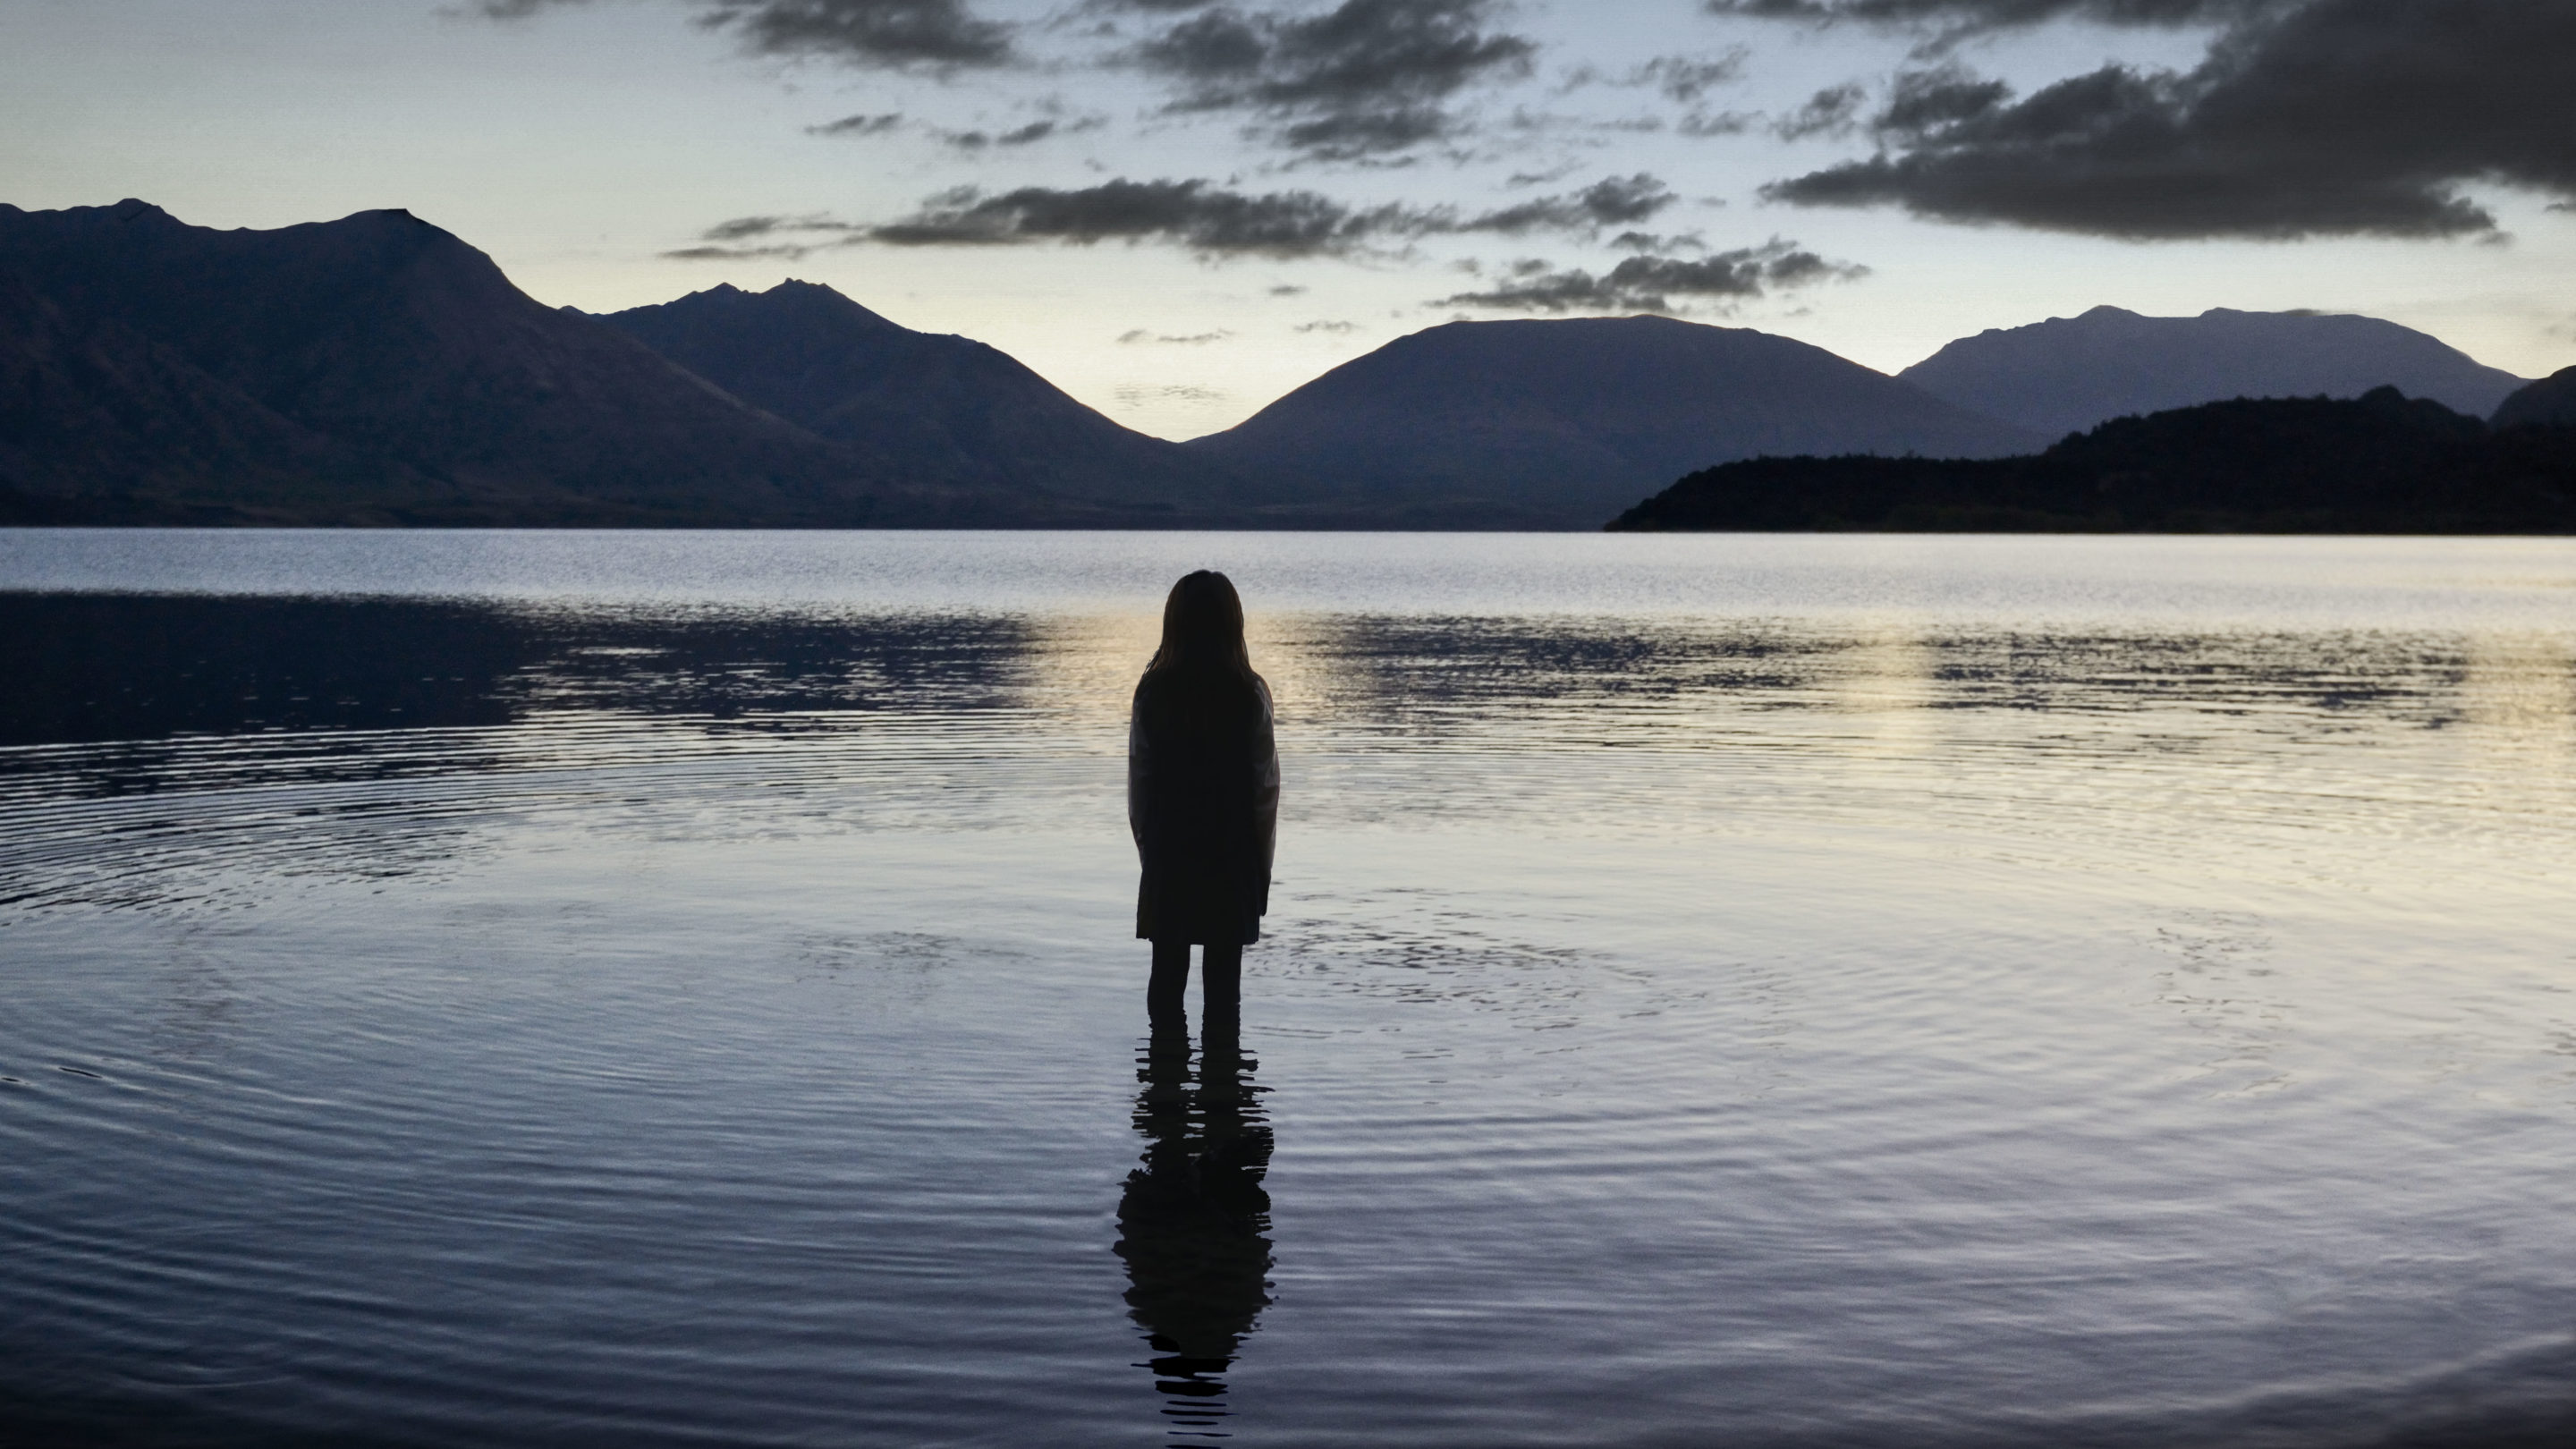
[677, 989]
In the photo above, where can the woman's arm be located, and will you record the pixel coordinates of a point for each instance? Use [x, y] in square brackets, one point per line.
[1138, 765]
[1265, 789]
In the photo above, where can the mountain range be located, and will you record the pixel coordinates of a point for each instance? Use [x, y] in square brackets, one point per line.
[373, 369]
[378, 370]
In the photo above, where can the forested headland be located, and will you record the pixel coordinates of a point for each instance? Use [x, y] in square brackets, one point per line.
[2380, 463]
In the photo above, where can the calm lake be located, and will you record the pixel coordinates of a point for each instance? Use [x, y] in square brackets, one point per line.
[559, 989]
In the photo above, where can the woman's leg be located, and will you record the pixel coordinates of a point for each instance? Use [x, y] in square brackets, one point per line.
[1163, 990]
[1221, 984]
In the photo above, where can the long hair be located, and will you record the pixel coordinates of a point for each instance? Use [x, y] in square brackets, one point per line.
[1203, 629]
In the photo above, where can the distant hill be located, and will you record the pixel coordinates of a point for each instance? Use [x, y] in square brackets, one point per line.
[927, 405]
[2067, 374]
[1560, 423]
[2550, 402]
[2382, 463]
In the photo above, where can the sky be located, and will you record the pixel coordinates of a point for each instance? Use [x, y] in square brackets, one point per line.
[1178, 210]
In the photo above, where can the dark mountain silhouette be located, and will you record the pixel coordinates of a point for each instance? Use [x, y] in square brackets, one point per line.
[2550, 402]
[86, 404]
[1557, 423]
[431, 389]
[2068, 373]
[2382, 463]
[935, 406]
[378, 370]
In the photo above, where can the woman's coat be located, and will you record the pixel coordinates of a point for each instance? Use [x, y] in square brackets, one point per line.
[1203, 803]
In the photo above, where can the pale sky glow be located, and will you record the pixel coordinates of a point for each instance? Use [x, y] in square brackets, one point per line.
[580, 143]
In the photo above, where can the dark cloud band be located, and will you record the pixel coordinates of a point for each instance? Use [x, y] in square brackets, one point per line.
[2307, 118]
[1198, 215]
[929, 34]
[1359, 80]
[1977, 15]
[1650, 284]
[1367, 77]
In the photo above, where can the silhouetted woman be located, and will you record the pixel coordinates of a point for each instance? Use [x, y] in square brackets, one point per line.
[1202, 798]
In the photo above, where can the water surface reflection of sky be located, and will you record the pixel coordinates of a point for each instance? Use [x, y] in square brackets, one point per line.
[1754, 991]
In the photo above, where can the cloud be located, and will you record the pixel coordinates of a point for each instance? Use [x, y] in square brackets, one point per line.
[1611, 201]
[1152, 5]
[1953, 19]
[892, 34]
[1135, 395]
[976, 139]
[876, 125]
[1996, 14]
[1688, 78]
[2305, 118]
[745, 228]
[1365, 78]
[1649, 284]
[767, 236]
[1199, 215]
[1647, 241]
[1828, 112]
[1722, 123]
[1922, 102]
[1287, 290]
[1029, 134]
[1195, 339]
[1335, 327]
[1195, 214]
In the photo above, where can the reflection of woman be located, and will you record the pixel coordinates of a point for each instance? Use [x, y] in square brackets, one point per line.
[1192, 1222]
[1202, 798]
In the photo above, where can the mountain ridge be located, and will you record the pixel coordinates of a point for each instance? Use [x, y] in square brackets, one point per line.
[945, 405]
[378, 370]
[442, 392]
[1559, 422]
[2550, 402]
